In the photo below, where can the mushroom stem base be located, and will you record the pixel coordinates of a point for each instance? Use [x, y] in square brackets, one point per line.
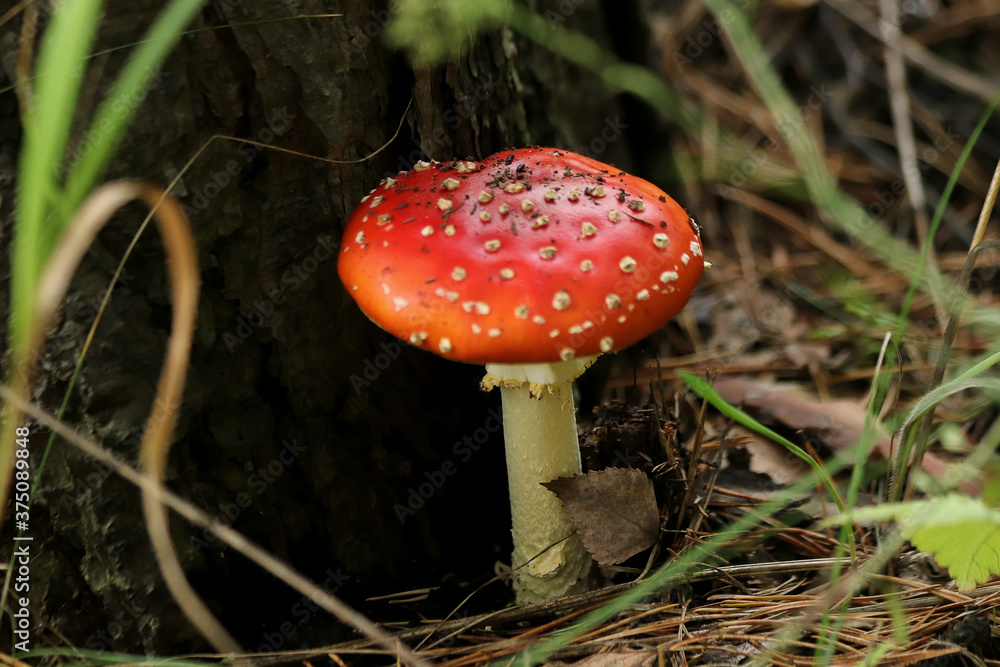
[542, 445]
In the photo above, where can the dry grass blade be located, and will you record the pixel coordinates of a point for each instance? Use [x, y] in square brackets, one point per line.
[8, 660]
[987, 210]
[899, 101]
[184, 282]
[13, 11]
[25, 51]
[951, 330]
[227, 535]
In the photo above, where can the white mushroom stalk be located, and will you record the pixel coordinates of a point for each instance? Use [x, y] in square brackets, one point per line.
[539, 425]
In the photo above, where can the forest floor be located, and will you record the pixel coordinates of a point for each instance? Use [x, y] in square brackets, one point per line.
[820, 321]
[812, 329]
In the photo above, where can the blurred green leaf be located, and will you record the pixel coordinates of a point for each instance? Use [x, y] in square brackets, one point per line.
[436, 31]
[961, 532]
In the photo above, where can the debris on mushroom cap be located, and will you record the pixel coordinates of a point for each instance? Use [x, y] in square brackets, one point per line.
[533, 238]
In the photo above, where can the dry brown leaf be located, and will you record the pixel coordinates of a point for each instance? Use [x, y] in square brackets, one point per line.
[839, 423]
[771, 459]
[614, 511]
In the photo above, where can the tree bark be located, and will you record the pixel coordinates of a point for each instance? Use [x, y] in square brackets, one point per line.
[369, 465]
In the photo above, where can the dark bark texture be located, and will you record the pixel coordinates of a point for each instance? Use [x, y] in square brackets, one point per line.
[304, 425]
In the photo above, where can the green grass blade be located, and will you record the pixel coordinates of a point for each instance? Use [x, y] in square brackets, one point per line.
[875, 655]
[981, 366]
[85, 657]
[117, 110]
[705, 390]
[195, 31]
[60, 71]
[830, 625]
[939, 211]
[938, 394]
[43, 209]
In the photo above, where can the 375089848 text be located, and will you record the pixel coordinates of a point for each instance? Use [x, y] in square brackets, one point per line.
[22, 551]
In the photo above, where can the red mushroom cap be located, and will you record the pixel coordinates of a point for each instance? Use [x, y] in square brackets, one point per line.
[532, 255]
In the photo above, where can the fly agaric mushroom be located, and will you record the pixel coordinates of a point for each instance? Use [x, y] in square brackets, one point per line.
[534, 262]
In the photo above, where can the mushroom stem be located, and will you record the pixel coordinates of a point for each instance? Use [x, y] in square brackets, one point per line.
[539, 423]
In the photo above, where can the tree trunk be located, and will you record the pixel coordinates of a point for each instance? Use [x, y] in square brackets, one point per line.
[368, 465]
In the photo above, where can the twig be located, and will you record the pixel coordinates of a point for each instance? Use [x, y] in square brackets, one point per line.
[899, 101]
